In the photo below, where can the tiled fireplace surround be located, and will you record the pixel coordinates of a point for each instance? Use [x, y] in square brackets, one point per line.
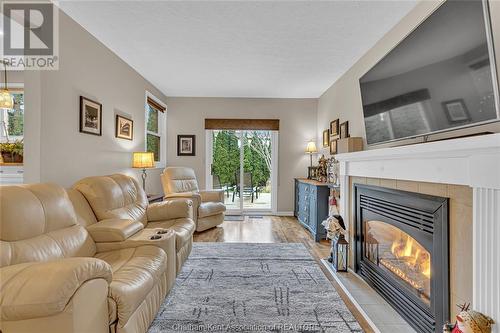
[467, 171]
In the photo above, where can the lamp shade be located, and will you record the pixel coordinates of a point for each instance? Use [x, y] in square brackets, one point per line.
[311, 147]
[143, 160]
[6, 101]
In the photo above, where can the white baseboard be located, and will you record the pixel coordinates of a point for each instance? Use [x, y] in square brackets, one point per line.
[284, 213]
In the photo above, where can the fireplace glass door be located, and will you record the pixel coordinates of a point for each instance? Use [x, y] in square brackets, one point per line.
[397, 253]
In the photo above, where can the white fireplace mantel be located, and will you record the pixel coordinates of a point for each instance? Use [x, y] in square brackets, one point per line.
[472, 161]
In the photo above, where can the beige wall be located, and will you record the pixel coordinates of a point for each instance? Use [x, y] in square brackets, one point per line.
[297, 127]
[55, 150]
[343, 99]
[460, 230]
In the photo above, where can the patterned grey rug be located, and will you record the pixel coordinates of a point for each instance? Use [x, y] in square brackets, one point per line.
[239, 287]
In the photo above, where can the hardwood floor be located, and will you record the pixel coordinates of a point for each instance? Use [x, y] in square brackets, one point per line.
[276, 229]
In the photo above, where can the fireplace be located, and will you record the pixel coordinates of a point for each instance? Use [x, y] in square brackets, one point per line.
[401, 250]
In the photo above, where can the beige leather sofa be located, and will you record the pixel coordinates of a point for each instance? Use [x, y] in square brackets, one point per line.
[209, 208]
[55, 278]
[117, 200]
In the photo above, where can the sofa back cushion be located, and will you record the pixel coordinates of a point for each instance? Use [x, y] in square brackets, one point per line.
[114, 197]
[38, 223]
[179, 179]
[84, 214]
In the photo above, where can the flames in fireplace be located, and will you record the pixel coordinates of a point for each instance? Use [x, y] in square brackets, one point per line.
[408, 250]
[410, 262]
[399, 253]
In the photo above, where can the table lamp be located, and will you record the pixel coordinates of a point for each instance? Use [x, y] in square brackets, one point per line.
[143, 160]
[311, 149]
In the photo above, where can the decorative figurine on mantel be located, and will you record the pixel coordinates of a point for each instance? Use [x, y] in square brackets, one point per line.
[469, 321]
[322, 169]
[336, 231]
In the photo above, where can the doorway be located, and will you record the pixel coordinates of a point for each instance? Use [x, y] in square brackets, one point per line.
[243, 163]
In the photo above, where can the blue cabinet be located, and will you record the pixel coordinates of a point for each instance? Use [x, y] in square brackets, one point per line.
[311, 206]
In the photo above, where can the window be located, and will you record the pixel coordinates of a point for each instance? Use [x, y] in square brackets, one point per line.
[12, 120]
[155, 129]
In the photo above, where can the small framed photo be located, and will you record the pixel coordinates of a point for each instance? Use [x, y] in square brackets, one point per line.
[124, 128]
[186, 145]
[326, 138]
[333, 147]
[456, 111]
[344, 130]
[334, 128]
[90, 116]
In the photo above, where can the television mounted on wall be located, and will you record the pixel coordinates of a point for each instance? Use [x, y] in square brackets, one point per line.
[441, 77]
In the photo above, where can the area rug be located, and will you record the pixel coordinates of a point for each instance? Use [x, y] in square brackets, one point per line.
[240, 287]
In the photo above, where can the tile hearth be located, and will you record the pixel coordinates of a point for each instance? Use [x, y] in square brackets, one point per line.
[377, 312]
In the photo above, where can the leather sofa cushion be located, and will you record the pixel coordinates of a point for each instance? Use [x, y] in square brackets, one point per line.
[179, 179]
[84, 214]
[74, 241]
[33, 290]
[184, 229]
[135, 272]
[114, 230]
[114, 197]
[210, 208]
[38, 223]
[29, 211]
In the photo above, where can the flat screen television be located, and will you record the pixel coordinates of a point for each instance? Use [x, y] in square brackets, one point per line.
[441, 77]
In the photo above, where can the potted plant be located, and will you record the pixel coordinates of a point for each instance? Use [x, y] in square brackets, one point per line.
[12, 152]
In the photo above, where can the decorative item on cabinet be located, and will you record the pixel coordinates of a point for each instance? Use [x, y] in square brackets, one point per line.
[322, 169]
[311, 206]
[318, 172]
[312, 172]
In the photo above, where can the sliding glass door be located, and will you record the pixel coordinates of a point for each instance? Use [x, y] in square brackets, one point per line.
[242, 163]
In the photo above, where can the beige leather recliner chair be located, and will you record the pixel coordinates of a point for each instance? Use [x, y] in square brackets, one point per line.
[53, 278]
[208, 206]
[118, 199]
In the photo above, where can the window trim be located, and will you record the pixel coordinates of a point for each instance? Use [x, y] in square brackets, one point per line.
[162, 128]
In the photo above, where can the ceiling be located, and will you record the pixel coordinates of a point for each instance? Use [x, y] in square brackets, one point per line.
[282, 49]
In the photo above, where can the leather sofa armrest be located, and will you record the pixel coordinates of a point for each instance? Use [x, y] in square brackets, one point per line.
[42, 289]
[170, 209]
[195, 197]
[212, 196]
[114, 230]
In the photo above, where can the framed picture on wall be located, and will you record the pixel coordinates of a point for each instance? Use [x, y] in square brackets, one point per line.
[326, 138]
[456, 111]
[124, 128]
[333, 147]
[334, 129]
[344, 130]
[186, 145]
[90, 116]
